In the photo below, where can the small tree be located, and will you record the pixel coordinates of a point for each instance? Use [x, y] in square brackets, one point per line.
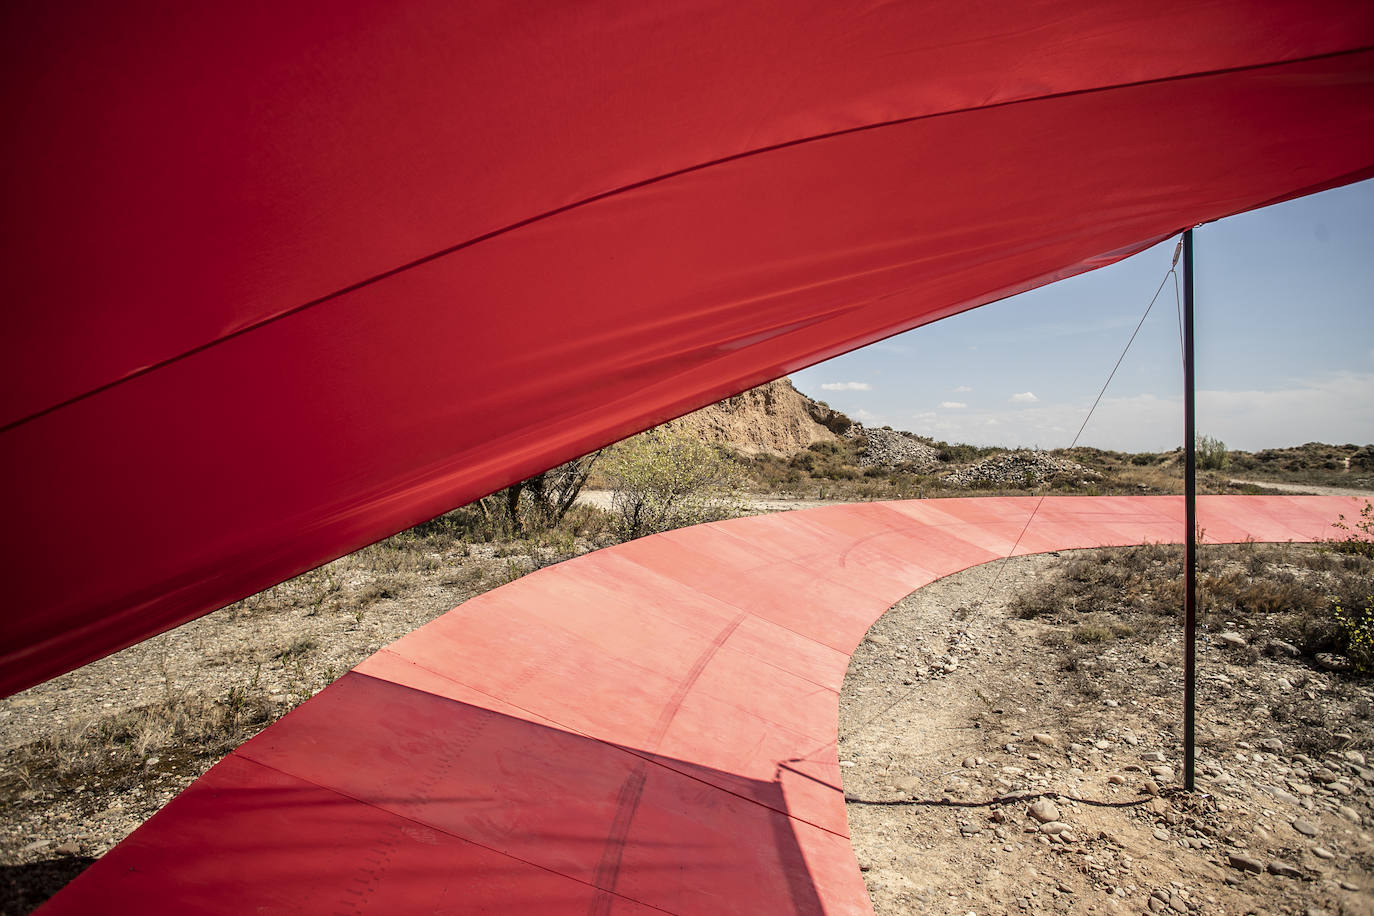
[1211, 453]
[540, 502]
[663, 479]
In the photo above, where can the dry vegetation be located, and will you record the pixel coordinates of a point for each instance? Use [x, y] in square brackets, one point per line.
[90, 755]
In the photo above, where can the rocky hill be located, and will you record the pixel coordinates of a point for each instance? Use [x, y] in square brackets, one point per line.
[772, 419]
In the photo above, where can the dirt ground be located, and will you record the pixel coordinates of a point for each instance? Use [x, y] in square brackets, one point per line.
[987, 771]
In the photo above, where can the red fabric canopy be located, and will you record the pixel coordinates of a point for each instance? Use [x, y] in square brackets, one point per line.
[285, 280]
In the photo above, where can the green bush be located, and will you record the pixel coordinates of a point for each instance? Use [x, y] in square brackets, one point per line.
[1356, 620]
[661, 480]
[1211, 453]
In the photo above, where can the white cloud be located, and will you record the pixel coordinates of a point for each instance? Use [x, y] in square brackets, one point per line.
[847, 386]
[1336, 408]
[952, 405]
[964, 389]
[1025, 397]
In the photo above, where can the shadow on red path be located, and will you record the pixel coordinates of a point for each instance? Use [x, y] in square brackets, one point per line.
[646, 728]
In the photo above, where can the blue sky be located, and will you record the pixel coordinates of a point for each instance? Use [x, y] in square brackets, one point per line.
[1285, 346]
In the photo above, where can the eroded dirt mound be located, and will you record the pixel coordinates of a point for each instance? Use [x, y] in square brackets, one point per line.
[772, 419]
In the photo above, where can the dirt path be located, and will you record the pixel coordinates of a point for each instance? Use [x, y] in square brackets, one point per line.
[1306, 488]
[602, 500]
[956, 717]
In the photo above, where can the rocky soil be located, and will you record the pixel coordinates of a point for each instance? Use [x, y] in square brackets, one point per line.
[891, 448]
[1019, 468]
[993, 766]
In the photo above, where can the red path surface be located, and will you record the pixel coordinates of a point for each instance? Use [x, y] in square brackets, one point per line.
[645, 728]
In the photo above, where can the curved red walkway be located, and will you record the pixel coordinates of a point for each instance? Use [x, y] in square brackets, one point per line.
[645, 728]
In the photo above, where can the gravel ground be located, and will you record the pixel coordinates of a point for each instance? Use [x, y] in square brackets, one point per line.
[988, 770]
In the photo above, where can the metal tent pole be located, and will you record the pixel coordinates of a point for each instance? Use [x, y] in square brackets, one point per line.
[1190, 514]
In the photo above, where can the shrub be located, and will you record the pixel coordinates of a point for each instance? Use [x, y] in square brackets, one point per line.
[1359, 535]
[1356, 620]
[1211, 453]
[662, 480]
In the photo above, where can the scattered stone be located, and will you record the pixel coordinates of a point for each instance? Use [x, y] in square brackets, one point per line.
[1330, 661]
[1347, 886]
[1284, 869]
[1232, 640]
[1052, 828]
[1279, 647]
[1149, 787]
[1245, 863]
[1349, 813]
[969, 763]
[1159, 771]
[1043, 738]
[890, 448]
[1272, 745]
[1321, 852]
[1305, 827]
[1153, 756]
[69, 848]
[1018, 467]
[1044, 811]
[1116, 779]
[1161, 833]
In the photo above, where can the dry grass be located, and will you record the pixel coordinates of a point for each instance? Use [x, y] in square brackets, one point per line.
[1266, 592]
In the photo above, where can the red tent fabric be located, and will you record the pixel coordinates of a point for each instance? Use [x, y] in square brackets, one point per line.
[286, 280]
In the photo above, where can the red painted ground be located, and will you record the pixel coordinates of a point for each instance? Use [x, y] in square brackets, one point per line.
[646, 728]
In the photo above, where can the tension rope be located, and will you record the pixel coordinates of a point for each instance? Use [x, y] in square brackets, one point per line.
[1001, 561]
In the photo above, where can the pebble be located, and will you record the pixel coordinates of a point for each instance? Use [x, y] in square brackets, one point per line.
[1284, 869]
[1232, 639]
[1305, 827]
[1116, 779]
[69, 848]
[1152, 757]
[1161, 833]
[1321, 852]
[1043, 738]
[1053, 828]
[1332, 662]
[1349, 813]
[1245, 863]
[1044, 811]
[1150, 787]
[1160, 771]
